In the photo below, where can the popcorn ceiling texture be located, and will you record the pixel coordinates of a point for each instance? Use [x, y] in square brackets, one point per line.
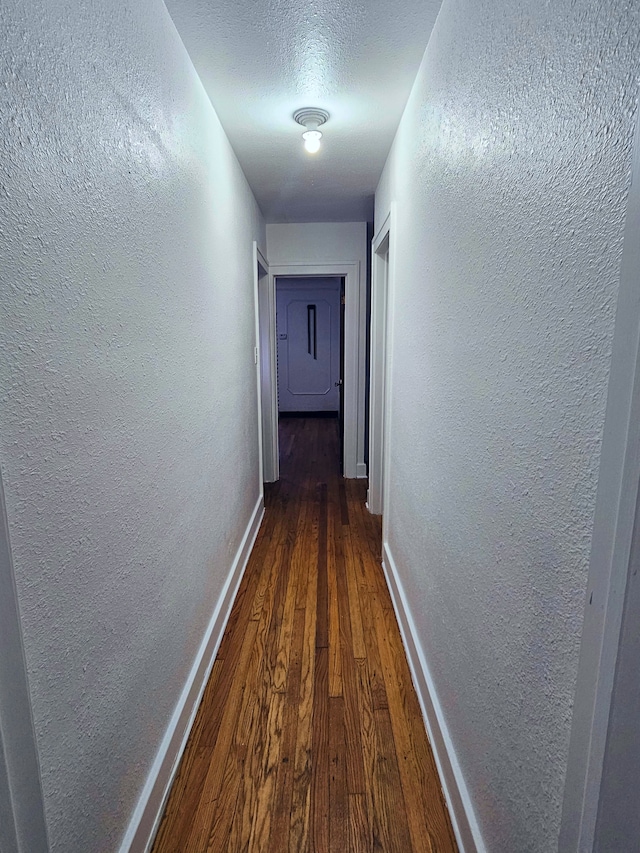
[356, 59]
[128, 437]
[510, 172]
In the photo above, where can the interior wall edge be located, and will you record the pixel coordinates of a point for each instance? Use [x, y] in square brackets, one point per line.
[21, 790]
[459, 803]
[146, 817]
[613, 531]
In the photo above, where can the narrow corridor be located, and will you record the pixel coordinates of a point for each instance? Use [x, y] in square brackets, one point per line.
[309, 736]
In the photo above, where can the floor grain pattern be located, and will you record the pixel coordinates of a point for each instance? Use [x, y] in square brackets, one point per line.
[309, 736]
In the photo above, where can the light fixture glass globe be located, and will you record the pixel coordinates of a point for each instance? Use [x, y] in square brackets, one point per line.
[312, 140]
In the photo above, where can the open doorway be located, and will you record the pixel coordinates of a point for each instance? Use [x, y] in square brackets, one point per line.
[310, 349]
[353, 363]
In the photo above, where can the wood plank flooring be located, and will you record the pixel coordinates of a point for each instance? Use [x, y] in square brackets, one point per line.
[309, 735]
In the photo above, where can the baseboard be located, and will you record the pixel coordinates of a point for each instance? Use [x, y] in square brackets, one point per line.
[361, 470]
[148, 812]
[455, 791]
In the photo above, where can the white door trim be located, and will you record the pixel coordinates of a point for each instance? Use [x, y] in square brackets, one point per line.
[351, 273]
[265, 311]
[380, 275]
[613, 534]
[21, 799]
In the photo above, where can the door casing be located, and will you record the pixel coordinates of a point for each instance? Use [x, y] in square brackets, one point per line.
[265, 355]
[21, 798]
[382, 254]
[352, 335]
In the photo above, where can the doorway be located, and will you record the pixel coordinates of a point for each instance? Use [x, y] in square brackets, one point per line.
[310, 348]
[352, 388]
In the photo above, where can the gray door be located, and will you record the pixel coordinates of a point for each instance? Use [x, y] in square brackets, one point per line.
[308, 330]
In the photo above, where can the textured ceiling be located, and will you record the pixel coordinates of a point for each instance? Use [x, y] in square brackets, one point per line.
[260, 60]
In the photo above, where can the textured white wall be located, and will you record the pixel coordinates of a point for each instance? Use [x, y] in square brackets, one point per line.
[317, 242]
[128, 414]
[510, 172]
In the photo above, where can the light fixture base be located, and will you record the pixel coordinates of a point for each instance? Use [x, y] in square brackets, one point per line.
[310, 116]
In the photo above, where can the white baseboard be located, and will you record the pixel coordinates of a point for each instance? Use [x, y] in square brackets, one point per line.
[148, 812]
[361, 470]
[455, 791]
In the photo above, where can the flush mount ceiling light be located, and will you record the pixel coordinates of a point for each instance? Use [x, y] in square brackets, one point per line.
[311, 119]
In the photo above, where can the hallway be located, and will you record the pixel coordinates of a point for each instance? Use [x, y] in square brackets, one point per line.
[309, 735]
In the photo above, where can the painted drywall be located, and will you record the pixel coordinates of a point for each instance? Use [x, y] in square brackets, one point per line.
[330, 243]
[128, 410]
[510, 172]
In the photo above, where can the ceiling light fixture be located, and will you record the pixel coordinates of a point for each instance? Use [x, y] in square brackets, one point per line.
[311, 119]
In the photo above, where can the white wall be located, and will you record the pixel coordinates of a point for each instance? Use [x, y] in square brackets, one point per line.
[128, 421]
[510, 172]
[325, 243]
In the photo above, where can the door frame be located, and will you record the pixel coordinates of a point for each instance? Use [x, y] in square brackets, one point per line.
[21, 797]
[351, 273]
[265, 358]
[382, 254]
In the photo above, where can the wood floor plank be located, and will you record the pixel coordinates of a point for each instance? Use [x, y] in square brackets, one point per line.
[376, 675]
[226, 802]
[359, 829]
[355, 612]
[251, 825]
[248, 738]
[299, 827]
[309, 737]
[177, 819]
[322, 622]
[375, 808]
[333, 558]
[283, 798]
[296, 578]
[353, 741]
[415, 760]
[269, 533]
[309, 549]
[203, 815]
[319, 818]
[394, 825]
[344, 508]
[266, 781]
[338, 803]
[191, 774]
[294, 674]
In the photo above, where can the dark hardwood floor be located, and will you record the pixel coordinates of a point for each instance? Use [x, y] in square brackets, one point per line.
[309, 736]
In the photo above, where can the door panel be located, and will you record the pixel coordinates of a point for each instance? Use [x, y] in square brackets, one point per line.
[341, 383]
[308, 351]
[308, 328]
